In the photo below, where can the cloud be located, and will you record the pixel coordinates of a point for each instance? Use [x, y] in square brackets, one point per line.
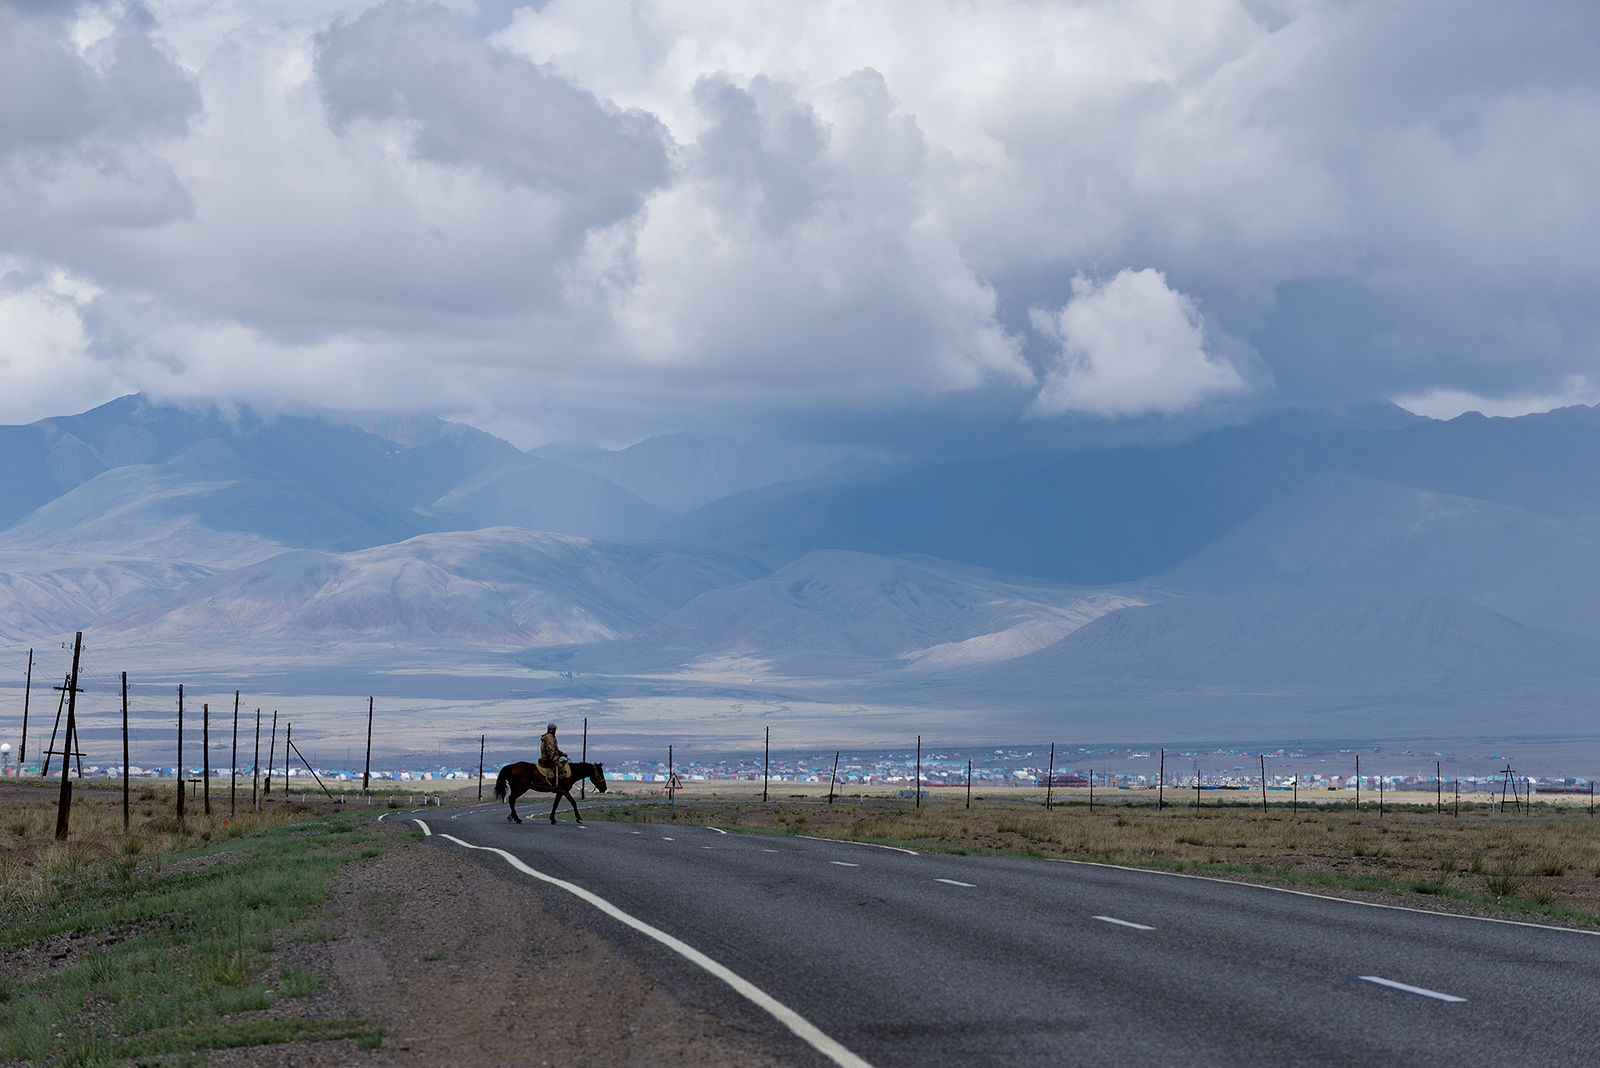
[45, 358]
[1129, 345]
[665, 212]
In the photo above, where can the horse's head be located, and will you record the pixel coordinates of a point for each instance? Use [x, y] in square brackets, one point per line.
[597, 775]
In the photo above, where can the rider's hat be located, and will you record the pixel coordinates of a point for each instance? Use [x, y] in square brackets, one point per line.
[552, 727]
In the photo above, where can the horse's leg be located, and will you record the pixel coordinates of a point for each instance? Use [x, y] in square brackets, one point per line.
[514, 818]
[555, 804]
[575, 813]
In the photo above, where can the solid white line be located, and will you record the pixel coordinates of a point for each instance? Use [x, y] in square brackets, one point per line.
[843, 841]
[799, 1025]
[953, 882]
[1327, 897]
[844, 864]
[424, 826]
[1381, 981]
[1125, 923]
[769, 851]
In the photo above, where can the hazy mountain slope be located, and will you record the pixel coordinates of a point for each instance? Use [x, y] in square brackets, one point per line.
[680, 472]
[542, 495]
[48, 594]
[1349, 642]
[207, 506]
[843, 611]
[503, 586]
[1343, 530]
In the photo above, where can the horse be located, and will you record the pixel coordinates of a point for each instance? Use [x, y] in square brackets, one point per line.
[517, 779]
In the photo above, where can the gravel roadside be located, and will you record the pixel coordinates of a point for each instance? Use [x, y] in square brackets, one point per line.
[463, 965]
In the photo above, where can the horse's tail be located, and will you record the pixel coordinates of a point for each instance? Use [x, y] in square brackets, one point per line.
[500, 783]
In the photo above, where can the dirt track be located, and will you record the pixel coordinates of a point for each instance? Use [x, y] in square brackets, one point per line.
[462, 965]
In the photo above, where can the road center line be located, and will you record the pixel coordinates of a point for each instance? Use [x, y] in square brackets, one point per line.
[1125, 923]
[954, 882]
[799, 1025]
[1419, 991]
[844, 864]
[719, 830]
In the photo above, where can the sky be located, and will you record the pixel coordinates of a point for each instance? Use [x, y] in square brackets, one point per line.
[595, 220]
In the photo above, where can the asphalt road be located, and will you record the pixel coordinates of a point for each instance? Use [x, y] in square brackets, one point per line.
[926, 959]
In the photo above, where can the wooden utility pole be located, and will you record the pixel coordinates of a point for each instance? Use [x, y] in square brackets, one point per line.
[969, 782]
[917, 790]
[288, 743]
[64, 806]
[205, 754]
[1358, 782]
[1161, 782]
[1263, 784]
[1438, 788]
[27, 692]
[1050, 780]
[124, 752]
[61, 706]
[583, 755]
[833, 776]
[255, 768]
[179, 769]
[366, 771]
[766, 766]
[272, 749]
[233, 758]
[481, 739]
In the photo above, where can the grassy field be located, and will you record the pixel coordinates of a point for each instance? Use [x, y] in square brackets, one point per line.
[157, 944]
[1543, 864]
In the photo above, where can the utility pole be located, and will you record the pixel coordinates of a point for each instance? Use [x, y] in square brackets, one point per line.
[179, 769]
[64, 806]
[255, 769]
[833, 777]
[366, 772]
[583, 755]
[481, 739]
[233, 757]
[272, 748]
[917, 792]
[124, 752]
[766, 766]
[27, 692]
[205, 754]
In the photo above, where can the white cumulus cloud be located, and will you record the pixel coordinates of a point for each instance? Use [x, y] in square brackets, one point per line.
[1129, 345]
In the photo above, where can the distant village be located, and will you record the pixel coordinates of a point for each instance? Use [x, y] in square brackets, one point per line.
[1107, 768]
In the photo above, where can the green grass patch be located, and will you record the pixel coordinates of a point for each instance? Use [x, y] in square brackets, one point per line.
[155, 951]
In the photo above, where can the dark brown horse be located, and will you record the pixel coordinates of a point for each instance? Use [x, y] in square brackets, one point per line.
[517, 779]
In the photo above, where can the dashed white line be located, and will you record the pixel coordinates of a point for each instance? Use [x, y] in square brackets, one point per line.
[799, 1025]
[954, 882]
[1407, 988]
[769, 851]
[664, 838]
[719, 830]
[1125, 923]
[844, 864]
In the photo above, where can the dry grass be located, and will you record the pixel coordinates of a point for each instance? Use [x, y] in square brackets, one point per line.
[33, 862]
[1547, 862]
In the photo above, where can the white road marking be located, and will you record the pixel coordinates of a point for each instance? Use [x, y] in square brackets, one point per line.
[664, 838]
[1421, 992]
[719, 830]
[954, 882]
[769, 851]
[874, 845]
[1125, 923]
[799, 1025]
[424, 826]
[844, 864]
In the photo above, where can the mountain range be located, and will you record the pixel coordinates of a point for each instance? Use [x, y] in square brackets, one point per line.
[1303, 560]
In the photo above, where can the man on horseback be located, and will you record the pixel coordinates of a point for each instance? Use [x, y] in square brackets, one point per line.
[553, 763]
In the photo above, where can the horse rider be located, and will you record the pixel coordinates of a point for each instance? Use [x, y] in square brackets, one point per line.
[552, 761]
